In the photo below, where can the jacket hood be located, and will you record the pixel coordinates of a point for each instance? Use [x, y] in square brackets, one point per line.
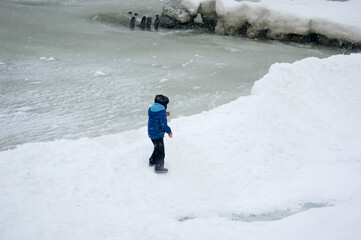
[157, 107]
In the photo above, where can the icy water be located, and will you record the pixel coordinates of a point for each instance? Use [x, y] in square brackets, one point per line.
[65, 74]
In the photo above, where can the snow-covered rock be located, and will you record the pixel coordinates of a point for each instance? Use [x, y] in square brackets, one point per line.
[175, 13]
[335, 23]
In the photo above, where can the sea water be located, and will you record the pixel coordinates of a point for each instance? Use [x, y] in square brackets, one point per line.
[66, 74]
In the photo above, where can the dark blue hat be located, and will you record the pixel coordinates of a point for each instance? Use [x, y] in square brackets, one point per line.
[161, 99]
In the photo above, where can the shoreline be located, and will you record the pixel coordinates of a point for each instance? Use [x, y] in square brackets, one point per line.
[238, 22]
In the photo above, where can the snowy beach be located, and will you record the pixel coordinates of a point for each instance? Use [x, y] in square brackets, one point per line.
[283, 162]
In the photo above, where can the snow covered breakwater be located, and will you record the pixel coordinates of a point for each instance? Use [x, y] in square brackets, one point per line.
[329, 23]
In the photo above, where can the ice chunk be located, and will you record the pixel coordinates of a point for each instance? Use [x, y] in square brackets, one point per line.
[99, 74]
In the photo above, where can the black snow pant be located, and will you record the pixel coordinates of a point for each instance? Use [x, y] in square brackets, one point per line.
[158, 154]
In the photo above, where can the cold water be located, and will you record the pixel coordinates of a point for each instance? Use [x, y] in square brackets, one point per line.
[65, 74]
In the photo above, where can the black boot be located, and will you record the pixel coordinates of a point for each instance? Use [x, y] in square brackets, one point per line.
[151, 162]
[160, 169]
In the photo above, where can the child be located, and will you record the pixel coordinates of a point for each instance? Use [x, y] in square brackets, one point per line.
[157, 126]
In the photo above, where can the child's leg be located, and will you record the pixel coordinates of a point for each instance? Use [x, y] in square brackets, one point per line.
[158, 153]
[152, 157]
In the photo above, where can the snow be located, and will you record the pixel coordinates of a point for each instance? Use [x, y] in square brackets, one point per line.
[282, 163]
[99, 74]
[334, 19]
[47, 59]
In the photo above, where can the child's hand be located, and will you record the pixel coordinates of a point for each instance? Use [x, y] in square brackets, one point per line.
[170, 135]
[168, 113]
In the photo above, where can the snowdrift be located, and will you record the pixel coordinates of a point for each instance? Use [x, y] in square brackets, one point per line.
[288, 152]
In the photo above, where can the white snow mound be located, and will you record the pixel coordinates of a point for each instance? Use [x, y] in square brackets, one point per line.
[288, 152]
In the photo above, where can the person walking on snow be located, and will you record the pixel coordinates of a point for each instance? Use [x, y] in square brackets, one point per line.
[157, 126]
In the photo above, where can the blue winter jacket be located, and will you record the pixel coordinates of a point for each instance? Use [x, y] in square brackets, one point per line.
[157, 122]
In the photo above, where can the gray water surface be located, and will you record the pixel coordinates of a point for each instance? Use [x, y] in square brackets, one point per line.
[64, 74]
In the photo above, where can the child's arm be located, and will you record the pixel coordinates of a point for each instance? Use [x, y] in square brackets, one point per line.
[164, 125]
[170, 134]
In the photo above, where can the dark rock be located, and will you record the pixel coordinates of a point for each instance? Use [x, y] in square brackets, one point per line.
[168, 22]
[132, 22]
[252, 32]
[156, 22]
[148, 23]
[209, 14]
[142, 23]
[243, 30]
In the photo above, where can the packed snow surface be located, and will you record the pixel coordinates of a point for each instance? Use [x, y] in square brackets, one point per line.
[282, 163]
[334, 19]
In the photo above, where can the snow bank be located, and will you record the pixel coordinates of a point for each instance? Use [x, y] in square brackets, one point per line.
[192, 5]
[288, 152]
[333, 19]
